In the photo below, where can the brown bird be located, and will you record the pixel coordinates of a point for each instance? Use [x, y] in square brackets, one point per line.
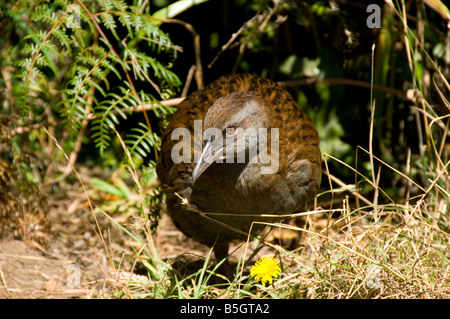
[237, 150]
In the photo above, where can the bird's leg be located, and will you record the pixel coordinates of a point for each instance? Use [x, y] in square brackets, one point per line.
[220, 249]
[221, 253]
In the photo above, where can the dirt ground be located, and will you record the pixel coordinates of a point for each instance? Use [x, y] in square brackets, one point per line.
[76, 265]
[64, 260]
[73, 261]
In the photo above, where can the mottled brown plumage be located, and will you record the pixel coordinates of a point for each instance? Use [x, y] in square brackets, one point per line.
[223, 200]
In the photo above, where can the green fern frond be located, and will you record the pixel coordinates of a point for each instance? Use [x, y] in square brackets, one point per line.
[106, 113]
[91, 69]
[141, 143]
[80, 67]
[44, 13]
[64, 39]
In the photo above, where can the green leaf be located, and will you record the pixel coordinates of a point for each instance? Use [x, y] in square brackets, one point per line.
[119, 190]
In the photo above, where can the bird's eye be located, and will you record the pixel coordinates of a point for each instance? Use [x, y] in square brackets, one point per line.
[230, 130]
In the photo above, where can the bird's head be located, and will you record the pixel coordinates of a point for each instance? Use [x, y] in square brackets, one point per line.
[231, 128]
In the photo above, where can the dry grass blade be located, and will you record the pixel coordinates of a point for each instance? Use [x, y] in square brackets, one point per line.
[146, 212]
[373, 184]
[393, 169]
[99, 230]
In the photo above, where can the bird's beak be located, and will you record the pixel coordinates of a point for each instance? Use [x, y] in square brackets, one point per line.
[210, 154]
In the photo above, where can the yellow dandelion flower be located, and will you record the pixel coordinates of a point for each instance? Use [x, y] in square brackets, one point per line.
[265, 269]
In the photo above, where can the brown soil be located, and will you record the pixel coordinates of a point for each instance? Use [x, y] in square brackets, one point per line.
[64, 259]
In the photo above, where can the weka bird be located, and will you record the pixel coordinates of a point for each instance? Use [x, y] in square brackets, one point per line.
[214, 197]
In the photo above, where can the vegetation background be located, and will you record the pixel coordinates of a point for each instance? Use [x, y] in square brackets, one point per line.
[88, 86]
